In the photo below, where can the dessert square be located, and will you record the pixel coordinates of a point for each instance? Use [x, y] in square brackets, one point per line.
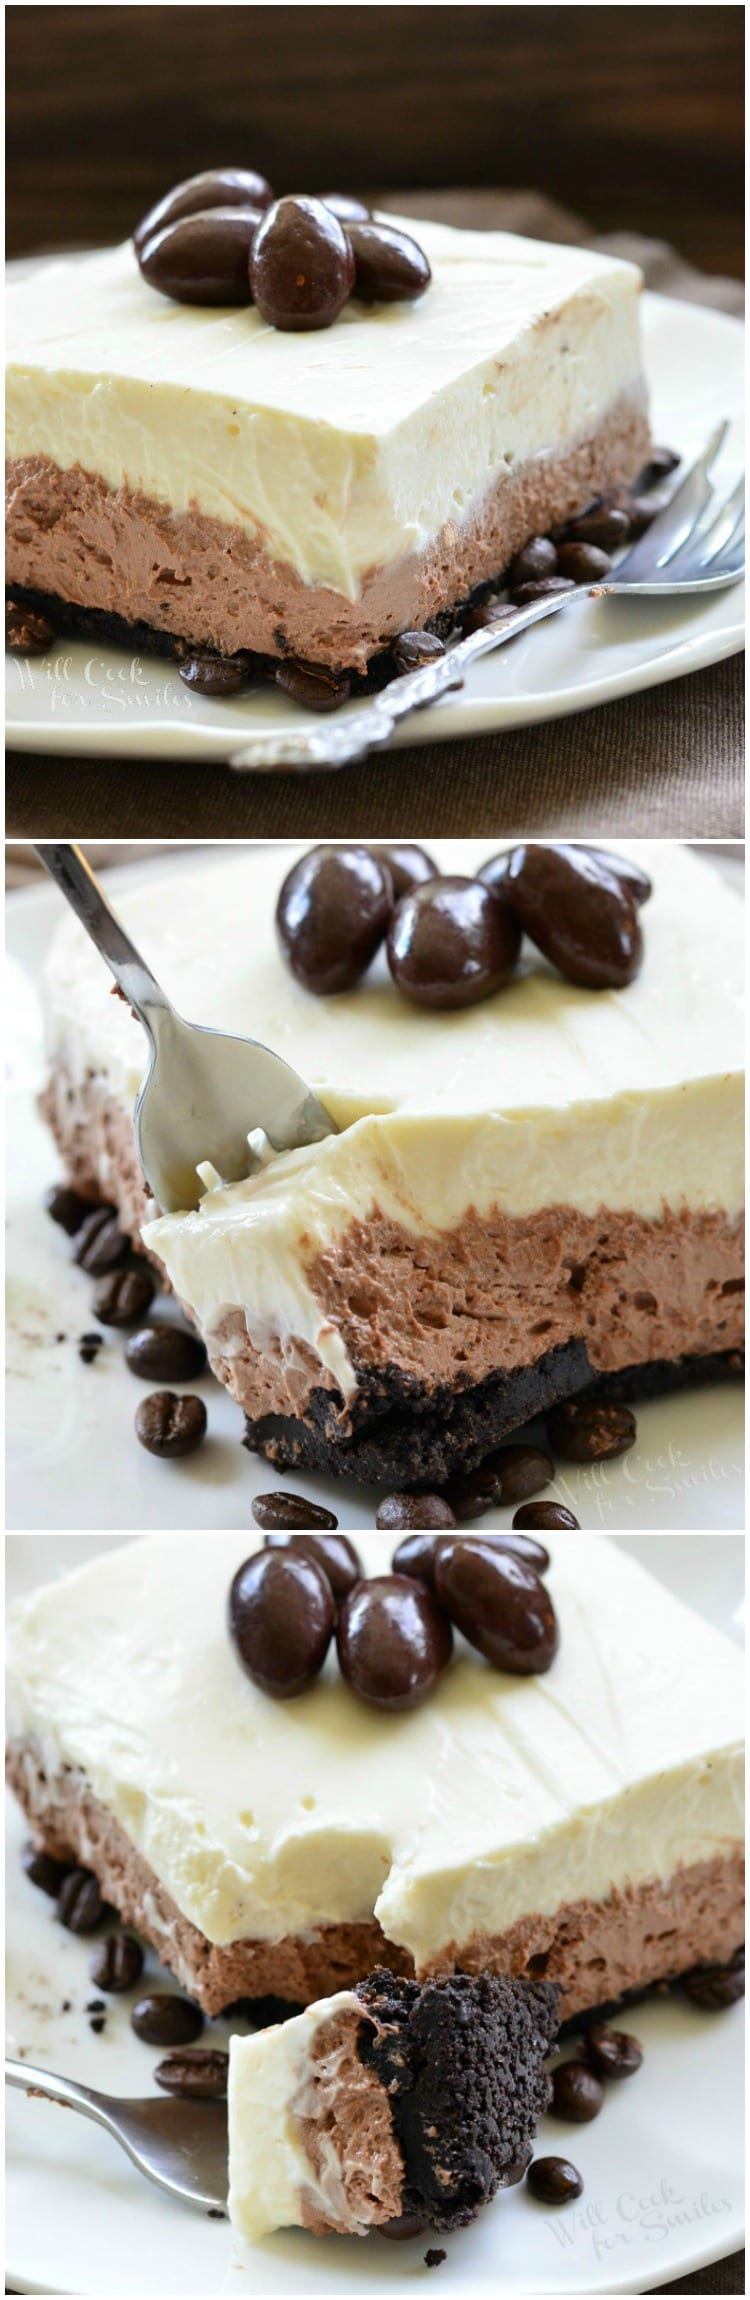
[200, 474]
[581, 1827]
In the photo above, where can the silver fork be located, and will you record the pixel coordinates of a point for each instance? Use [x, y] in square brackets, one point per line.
[203, 1092]
[180, 2144]
[682, 552]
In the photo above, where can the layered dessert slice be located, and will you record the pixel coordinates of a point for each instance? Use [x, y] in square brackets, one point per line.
[540, 1191]
[198, 474]
[583, 1826]
[347, 2118]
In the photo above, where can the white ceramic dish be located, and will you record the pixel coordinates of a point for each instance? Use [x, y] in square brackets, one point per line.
[662, 2167]
[84, 700]
[73, 1460]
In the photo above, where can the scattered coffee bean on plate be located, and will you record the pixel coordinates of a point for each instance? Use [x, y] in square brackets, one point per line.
[544, 587]
[553, 2180]
[544, 1516]
[451, 943]
[577, 2093]
[389, 265]
[100, 1245]
[714, 1987]
[483, 618]
[608, 527]
[123, 1295]
[290, 1509]
[116, 1963]
[393, 1642]
[213, 188]
[194, 2074]
[509, 1474]
[499, 1603]
[661, 462]
[165, 1353]
[336, 1555]
[409, 653]
[585, 1430]
[408, 865]
[42, 1871]
[578, 912]
[80, 1907]
[313, 686]
[402, 1509]
[302, 266]
[170, 1426]
[612, 2052]
[26, 631]
[532, 564]
[216, 674]
[164, 2019]
[67, 1208]
[642, 510]
[281, 1616]
[584, 562]
[332, 914]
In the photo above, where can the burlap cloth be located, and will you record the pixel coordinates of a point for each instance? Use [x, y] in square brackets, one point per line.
[665, 763]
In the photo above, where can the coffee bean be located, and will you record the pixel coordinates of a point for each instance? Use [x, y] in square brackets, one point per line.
[399, 1509]
[332, 914]
[26, 631]
[612, 2052]
[313, 685]
[336, 1556]
[348, 209]
[399, 2231]
[216, 675]
[585, 1430]
[661, 461]
[578, 913]
[531, 565]
[289, 1509]
[281, 1620]
[67, 1208]
[163, 2019]
[203, 259]
[608, 527]
[121, 1297]
[409, 866]
[170, 1426]
[393, 1642]
[116, 1964]
[390, 267]
[714, 1987]
[577, 2094]
[80, 1906]
[583, 562]
[544, 1516]
[414, 648]
[510, 1474]
[302, 265]
[164, 1353]
[553, 2180]
[485, 617]
[499, 1603]
[451, 943]
[194, 2074]
[528, 593]
[48, 1875]
[100, 1244]
[637, 881]
[213, 188]
[418, 1555]
[642, 510]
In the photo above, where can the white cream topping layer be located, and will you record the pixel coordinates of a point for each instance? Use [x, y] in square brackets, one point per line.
[271, 2084]
[343, 450]
[499, 1797]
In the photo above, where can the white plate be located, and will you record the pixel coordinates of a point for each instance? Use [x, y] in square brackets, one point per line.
[72, 1458]
[80, 700]
[662, 2166]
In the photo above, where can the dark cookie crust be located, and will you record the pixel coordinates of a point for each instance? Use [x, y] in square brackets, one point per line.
[399, 1434]
[106, 629]
[462, 2061]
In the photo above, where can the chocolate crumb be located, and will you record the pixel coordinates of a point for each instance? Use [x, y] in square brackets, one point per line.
[98, 2022]
[434, 2258]
[96, 2005]
[214, 2213]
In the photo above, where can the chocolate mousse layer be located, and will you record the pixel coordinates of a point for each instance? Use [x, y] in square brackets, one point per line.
[591, 1950]
[117, 551]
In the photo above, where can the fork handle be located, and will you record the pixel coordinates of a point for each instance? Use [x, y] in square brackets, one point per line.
[68, 867]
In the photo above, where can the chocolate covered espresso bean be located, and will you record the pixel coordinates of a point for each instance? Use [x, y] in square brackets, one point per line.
[390, 267]
[394, 1642]
[302, 266]
[332, 914]
[203, 259]
[281, 1616]
[451, 943]
[336, 1556]
[213, 188]
[578, 912]
[499, 1604]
